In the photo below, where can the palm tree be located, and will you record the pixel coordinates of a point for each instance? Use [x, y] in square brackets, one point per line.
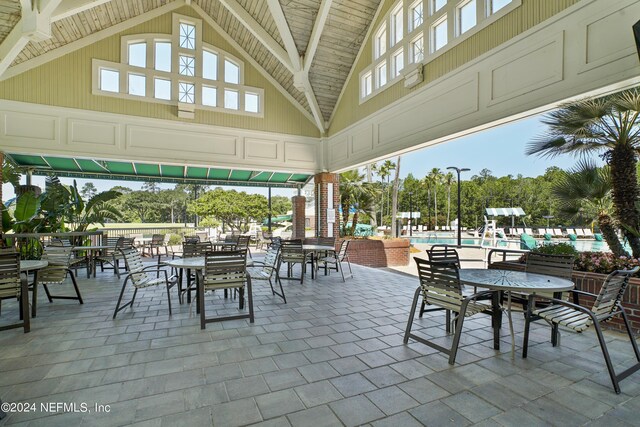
[353, 191]
[586, 190]
[448, 180]
[435, 178]
[611, 126]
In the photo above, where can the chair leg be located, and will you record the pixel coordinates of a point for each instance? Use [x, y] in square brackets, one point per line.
[527, 324]
[169, 297]
[448, 321]
[34, 300]
[24, 306]
[250, 299]
[456, 338]
[46, 291]
[607, 358]
[75, 286]
[241, 299]
[412, 312]
[630, 333]
[339, 265]
[422, 308]
[124, 285]
[200, 291]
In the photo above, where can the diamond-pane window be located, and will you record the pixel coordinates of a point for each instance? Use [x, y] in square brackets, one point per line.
[416, 17]
[186, 92]
[187, 65]
[417, 49]
[187, 36]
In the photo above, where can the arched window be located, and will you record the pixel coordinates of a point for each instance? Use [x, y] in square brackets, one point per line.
[178, 69]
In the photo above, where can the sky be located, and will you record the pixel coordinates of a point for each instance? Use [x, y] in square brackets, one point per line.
[500, 149]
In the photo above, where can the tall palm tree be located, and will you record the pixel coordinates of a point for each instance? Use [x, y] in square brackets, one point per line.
[435, 177]
[448, 180]
[357, 193]
[586, 190]
[610, 126]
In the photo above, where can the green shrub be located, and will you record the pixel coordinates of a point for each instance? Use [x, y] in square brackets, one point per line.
[175, 239]
[556, 249]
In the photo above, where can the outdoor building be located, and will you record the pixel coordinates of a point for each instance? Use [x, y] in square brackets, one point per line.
[288, 94]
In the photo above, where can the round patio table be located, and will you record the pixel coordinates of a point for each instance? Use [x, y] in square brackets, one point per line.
[313, 250]
[93, 252]
[511, 281]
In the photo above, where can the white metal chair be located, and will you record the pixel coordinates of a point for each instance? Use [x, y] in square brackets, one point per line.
[607, 304]
[55, 273]
[267, 269]
[440, 288]
[140, 279]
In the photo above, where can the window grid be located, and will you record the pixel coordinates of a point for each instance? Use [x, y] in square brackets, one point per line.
[446, 23]
[178, 68]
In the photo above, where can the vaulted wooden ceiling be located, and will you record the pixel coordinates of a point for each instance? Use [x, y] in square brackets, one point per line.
[307, 46]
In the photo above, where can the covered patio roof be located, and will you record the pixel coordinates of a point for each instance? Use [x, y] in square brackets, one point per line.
[155, 172]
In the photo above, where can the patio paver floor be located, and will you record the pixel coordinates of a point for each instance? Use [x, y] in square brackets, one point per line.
[333, 355]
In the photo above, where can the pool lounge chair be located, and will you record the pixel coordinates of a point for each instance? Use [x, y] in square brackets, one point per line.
[557, 232]
[528, 231]
[587, 232]
[579, 232]
[527, 242]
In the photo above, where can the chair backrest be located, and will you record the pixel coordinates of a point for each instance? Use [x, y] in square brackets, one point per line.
[59, 242]
[225, 269]
[203, 235]
[612, 291]
[59, 260]
[443, 253]
[243, 242]
[9, 273]
[440, 283]
[191, 239]
[133, 262]
[190, 250]
[229, 238]
[551, 265]
[291, 250]
[327, 241]
[270, 262]
[276, 241]
[157, 239]
[125, 242]
[344, 246]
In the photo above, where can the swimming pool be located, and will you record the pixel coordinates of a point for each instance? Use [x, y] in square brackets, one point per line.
[580, 245]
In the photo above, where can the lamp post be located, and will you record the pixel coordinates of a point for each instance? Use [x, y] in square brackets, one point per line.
[458, 170]
[410, 214]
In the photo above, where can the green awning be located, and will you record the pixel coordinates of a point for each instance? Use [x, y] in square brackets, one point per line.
[155, 172]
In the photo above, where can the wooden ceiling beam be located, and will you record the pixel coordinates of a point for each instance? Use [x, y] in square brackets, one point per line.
[259, 32]
[34, 25]
[318, 27]
[300, 75]
[70, 7]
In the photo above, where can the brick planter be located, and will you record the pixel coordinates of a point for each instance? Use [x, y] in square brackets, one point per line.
[379, 253]
[592, 282]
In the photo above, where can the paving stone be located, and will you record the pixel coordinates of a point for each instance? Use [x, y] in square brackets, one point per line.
[438, 414]
[318, 393]
[318, 371]
[237, 413]
[352, 385]
[471, 406]
[356, 410]
[246, 387]
[320, 416]
[278, 403]
[391, 400]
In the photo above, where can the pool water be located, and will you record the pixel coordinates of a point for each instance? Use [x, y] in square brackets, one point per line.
[580, 245]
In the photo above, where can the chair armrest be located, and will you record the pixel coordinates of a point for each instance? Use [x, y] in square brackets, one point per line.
[477, 295]
[587, 294]
[561, 302]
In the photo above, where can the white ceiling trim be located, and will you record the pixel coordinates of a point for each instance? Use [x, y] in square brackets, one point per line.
[259, 32]
[68, 8]
[300, 76]
[90, 39]
[355, 62]
[318, 27]
[35, 24]
[252, 61]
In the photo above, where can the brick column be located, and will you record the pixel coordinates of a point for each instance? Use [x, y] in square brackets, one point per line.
[299, 203]
[327, 191]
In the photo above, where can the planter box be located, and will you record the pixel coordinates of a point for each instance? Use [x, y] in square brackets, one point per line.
[592, 282]
[379, 253]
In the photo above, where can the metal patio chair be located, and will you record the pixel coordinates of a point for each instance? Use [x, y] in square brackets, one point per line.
[577, 318]
[268, 270]
[225, 270]
[440, 287]
[114, 256]
[157, 242]
[291, 253]
[334, 259]
[12, 286]
[55, 273]
[139, 277]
